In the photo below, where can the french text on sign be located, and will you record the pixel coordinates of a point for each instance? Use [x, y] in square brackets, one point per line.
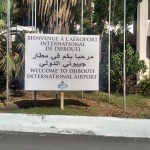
[61, 62]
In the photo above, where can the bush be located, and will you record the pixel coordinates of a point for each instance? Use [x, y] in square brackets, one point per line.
[131, 85]
[2, 81]
[145, 86]
[133, 66]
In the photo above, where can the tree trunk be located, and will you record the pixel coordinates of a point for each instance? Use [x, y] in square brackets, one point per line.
[47, 14]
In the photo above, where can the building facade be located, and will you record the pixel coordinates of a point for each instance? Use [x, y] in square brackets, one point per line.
[143, 33]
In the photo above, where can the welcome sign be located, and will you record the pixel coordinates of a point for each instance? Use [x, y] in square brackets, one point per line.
[61, 62]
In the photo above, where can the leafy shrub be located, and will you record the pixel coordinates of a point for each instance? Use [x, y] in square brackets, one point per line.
[133, 66]
[145, 86]
[132, 86]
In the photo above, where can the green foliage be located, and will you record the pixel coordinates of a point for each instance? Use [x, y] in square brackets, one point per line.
[88, 20]
[16, 55]
[145, 86]
[3, 13]
[117, 14]
[20, 55]
[133, 66]
[88, 27]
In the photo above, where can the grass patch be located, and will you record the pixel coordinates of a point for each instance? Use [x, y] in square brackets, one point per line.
[146, 116]
[135, 100]
[55, 111]
[93, 104]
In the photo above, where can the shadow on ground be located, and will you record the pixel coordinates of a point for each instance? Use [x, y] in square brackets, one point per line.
[26, 104]
[17, 93]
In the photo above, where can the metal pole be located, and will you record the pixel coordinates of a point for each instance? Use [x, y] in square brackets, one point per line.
[57, 33]
[35, 15]
[82, 28]
[57, 18]
[33, 92]
[35, 32]
[109, 50]
[124, 59]
[8, 47]
[32, 14]
[82, 18]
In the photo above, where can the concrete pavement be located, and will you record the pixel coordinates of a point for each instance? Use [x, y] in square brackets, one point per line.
[99, 126]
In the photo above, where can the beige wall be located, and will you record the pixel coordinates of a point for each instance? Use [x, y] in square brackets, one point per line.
[142, 33]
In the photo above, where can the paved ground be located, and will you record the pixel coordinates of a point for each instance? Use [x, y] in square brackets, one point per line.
[26, 141]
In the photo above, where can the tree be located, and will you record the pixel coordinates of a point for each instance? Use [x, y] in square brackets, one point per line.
[101, 17]
[47, 12]
[117, 14]
[3, 40]
[69, 15]
[3, 14]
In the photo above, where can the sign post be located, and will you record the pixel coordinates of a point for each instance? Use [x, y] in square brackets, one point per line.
[62, 101]
[61, 62]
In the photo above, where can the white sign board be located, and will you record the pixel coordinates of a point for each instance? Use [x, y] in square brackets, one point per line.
[61, 62]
